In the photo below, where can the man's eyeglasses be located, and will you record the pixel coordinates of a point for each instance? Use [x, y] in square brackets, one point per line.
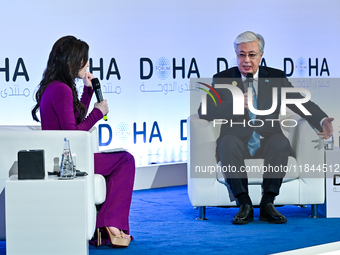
[250, 55]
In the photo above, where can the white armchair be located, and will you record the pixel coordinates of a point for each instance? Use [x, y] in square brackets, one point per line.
[301, 186]
[83, 144]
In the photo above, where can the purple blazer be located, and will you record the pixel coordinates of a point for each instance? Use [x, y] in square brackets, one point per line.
[56, 108]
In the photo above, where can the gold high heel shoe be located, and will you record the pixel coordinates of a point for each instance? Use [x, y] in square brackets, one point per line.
[99, 237]
[117, 240]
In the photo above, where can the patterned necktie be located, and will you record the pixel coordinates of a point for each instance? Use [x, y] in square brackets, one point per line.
[254, 142]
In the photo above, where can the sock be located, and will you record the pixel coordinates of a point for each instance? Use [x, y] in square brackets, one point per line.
[268, 197]
[243, 198]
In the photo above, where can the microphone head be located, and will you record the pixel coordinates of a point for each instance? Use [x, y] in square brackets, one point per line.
[97, 89]
[95, 83]
[249, 79]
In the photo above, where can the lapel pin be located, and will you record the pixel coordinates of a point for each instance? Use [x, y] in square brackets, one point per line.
[234, 83]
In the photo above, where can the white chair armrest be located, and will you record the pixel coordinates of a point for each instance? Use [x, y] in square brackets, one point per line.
[309, 154]
[99, 189]
[202, 145]
[308, 146]
[94, 137]
[201, 152]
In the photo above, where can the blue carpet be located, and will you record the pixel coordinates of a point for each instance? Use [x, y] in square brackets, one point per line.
[163, 221]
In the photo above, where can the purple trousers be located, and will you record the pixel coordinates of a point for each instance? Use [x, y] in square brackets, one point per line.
[119, 171]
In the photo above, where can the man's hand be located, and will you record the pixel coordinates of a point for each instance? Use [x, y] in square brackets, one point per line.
[246, 100]
[327, 128]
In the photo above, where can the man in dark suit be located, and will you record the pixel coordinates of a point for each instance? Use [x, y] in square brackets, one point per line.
[246, 139]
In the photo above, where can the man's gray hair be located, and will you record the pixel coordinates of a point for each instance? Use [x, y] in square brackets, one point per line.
[247, 37]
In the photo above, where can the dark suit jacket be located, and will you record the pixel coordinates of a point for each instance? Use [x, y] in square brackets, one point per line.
[268, 78]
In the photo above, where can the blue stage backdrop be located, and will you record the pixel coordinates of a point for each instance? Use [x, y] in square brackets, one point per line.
[145, 52]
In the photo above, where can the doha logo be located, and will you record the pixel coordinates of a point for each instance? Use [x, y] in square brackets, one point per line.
[122, 132]
[301, 67]
[163, 68]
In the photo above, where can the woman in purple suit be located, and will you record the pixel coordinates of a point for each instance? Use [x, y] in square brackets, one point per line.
[61, 109]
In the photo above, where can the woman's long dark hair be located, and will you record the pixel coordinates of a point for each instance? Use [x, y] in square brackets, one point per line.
[67, 57]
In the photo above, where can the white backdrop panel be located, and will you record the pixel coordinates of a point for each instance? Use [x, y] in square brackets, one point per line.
[160, 32]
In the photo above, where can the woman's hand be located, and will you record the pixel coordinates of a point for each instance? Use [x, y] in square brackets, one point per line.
[103, 107]
[87, 79]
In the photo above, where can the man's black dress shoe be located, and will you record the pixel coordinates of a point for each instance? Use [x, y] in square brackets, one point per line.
[245, 215]
[269, 213]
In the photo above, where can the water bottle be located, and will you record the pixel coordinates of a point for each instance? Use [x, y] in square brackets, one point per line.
[67, 167]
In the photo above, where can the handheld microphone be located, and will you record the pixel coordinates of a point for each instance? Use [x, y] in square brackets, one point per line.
[249, 81]
[98, 92]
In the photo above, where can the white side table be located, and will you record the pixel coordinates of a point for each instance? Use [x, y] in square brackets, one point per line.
[46, 216]
[331, 208]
